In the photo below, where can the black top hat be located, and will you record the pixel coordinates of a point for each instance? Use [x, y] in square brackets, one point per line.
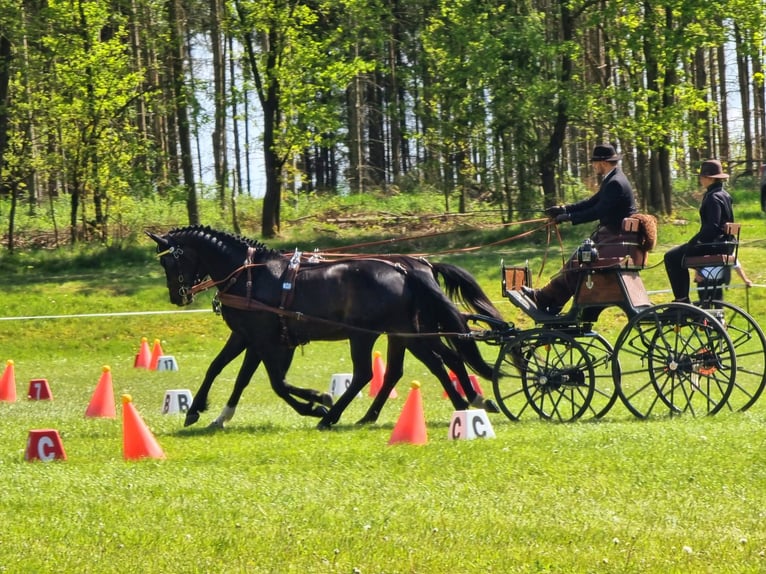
[604, 152]
[712, 168]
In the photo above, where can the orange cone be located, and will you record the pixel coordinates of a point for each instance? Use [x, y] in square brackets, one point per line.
[378, 373]
[459, 388]
[8, 383]
[137, 440]
[144, 357]
[411, 426]
[102, 402]
[156, 354]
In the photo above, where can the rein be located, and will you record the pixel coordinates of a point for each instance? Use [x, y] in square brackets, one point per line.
[248, 304]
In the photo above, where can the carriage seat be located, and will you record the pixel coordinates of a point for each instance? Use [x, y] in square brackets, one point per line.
[631, 248]
[730, 248]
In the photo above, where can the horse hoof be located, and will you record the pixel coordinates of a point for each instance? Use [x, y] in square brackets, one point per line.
[326, 399]
[215, 425]
[366, 421]
[191, 418]
[319, 412]
[491, 406]
[323, 426]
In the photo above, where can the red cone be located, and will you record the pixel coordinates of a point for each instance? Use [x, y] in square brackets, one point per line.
[8, 383]
[411, 426]
[378, 373]
[144, 357]
[459, 388]
[102, 402]
[156, 354]
[137, 440]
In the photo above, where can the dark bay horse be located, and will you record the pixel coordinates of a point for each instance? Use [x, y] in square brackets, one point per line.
[273, 303]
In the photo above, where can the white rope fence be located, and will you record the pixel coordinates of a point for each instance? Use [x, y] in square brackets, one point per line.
[93, 315]
[148, 313]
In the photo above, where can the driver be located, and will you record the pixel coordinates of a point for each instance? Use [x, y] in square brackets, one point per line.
[613, 202]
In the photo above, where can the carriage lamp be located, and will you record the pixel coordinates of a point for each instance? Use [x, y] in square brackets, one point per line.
[587, 252]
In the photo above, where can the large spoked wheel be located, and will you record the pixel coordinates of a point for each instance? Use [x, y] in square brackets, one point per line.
[605, 393]
[544, 372]
[750, 346]
[672, 359]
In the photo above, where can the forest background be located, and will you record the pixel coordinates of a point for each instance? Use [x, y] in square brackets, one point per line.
[105, 104]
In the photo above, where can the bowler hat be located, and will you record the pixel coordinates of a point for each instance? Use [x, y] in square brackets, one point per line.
[604, 152]
[712, 168]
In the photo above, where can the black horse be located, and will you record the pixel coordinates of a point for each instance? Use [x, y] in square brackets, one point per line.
[273, 303]
[459, 284]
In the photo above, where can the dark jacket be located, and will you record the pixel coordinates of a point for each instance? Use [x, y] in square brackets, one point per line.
[715, 213]
[612, 203]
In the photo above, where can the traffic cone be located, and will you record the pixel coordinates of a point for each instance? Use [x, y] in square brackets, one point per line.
[156, 354]
[102, 402]
[378, 373]
[8, 383]
[411, 426]
[459, 388]
[144, 357]
[137, 440]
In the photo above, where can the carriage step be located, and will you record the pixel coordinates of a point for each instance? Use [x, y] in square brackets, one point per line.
[533, 311]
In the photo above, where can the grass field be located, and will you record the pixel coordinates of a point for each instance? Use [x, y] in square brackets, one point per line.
[272, 494]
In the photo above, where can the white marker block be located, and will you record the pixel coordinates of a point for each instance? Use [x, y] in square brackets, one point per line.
[167, 363]
[339, 383]
[470, 424]
[176, 401]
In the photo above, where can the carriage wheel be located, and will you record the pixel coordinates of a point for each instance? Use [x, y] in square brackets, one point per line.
[543, 372]
[750, 346]
[605, 393]
[674, 358]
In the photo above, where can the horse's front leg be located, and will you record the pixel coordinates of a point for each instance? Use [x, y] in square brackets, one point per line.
[246, 372]
[234, 345]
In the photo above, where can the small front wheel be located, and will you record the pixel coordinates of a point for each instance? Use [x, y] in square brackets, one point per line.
[544, 372]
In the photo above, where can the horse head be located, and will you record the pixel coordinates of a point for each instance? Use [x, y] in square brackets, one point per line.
[182, 268]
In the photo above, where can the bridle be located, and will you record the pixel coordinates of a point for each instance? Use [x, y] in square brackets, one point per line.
[186, 293]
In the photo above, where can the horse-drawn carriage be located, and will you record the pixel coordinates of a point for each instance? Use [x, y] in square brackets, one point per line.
[669, 358]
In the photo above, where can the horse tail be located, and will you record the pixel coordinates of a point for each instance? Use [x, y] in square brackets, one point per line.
[460, 285]
[437, 312]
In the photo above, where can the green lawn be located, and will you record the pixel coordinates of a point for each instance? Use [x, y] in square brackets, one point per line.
[272, 494]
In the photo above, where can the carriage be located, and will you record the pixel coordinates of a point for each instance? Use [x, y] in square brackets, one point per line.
[668, 359]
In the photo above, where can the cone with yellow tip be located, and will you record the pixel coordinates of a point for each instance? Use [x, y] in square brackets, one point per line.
[102, 402]
[144, 357]
[137, 440]
[8, 383]
[378, 373]
[411, 426]
[156, 354]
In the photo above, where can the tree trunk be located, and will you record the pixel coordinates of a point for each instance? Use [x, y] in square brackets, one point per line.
[6, 57]
[744, 94]
[550, 153]
[219, 101]
[181, 108]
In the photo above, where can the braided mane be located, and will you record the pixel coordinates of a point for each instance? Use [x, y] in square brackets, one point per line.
[222, 238]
